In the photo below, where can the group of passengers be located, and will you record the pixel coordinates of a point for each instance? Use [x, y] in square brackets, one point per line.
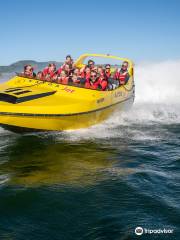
[90, 76]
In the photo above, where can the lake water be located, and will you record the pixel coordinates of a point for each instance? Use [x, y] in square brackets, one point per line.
[102, 182]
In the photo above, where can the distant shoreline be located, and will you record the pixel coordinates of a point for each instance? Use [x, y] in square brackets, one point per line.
[20, 64]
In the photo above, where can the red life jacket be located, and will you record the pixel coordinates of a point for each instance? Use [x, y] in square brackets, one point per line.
[92, 85]
[63, 80]
[103, 83]
[46, 71]
[59, 70]
[121, 76]
[62, 68]
[85, 75]
[47, 77]
[82, 75]
[108, 74]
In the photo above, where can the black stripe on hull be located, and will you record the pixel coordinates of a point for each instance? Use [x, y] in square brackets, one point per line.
[4, 97]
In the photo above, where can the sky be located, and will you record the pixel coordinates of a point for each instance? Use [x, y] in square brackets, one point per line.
[44, 30]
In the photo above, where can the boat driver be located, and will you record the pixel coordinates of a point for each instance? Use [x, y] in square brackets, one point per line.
[122, 75]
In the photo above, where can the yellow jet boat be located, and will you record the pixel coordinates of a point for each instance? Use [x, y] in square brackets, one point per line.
[32, 104]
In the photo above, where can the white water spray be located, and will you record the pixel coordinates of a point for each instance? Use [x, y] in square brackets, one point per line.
[158, 82]
[156, 102]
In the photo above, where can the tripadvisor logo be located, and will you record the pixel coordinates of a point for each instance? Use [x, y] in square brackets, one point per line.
[139, 231]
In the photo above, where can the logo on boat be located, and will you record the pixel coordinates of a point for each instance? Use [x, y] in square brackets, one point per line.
[69, 90]
[119, 94]
[100, 100]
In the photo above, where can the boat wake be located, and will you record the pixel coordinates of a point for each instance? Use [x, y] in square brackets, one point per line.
[156, 104]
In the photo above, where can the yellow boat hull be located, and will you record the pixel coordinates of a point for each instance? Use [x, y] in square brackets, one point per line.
[60, 123]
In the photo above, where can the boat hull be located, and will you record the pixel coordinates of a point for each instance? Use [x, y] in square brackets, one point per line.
[44, 122]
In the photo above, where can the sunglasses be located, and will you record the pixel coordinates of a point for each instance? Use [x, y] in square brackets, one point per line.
[107, 68]
[124, 66]
[93, 76]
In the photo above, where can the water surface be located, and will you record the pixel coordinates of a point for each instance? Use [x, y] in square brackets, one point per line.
[98, 183]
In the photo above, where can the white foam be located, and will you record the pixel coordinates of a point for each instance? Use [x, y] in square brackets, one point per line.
[158, 82]
[157, 102]
[4, 179]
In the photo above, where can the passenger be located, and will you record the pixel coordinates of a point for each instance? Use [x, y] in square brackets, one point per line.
[108, 70]
[86, 73]
[54, 78]
[28, 71]
[93, 81]
[100, 71]
[81, 77]
[122, 75]
[76, 71]
[66, 68]
[40, 75]
[75, 79]
[60, 69]
[69, 61]
[91, 64]
[47, 77]
[50, 70]
[103, 81]
[63, 78]
[95, 68]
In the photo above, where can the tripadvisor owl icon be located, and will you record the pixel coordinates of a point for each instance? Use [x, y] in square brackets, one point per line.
[138, 230]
